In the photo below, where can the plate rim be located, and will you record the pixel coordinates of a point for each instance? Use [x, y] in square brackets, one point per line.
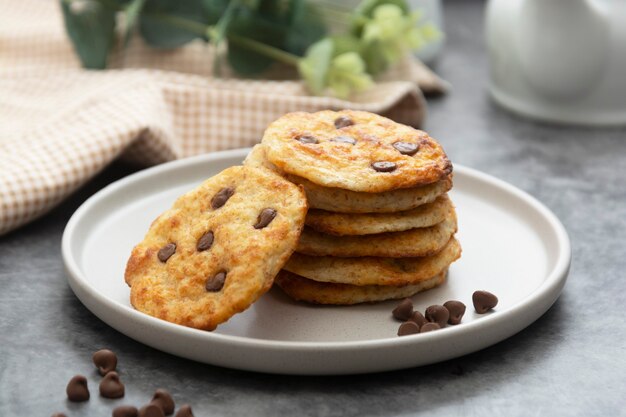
[554, 280]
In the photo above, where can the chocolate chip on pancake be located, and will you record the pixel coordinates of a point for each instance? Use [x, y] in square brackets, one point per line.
[216, 282]
[343, 121]
[222, 197]
[205, 242]
[384, 166]
[307, 139]
[265, 217]
[166, 251]
[406, 148]
[344, 139]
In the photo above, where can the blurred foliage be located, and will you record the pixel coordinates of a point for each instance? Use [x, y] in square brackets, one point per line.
[254, 34]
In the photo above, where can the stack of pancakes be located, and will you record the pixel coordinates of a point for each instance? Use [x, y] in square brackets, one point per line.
[380, 223]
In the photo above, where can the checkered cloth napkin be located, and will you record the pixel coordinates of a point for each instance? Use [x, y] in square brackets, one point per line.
[60, 125]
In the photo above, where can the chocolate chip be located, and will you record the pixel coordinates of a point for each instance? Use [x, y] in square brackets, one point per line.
[166, 251]
[111, 386]
[222, 197]
[383, 166]
[484, 301]
[105, 360]
[343, 121]
[456, 310]
[164, 400]
[307, 139]
[77, 390]
[437, 314]
[344, 139]
[406, 148]
[215, 283]
[205, 242]
[408, 327]
[418, 318]
[151, 410]
[58, 415]
[184, 411]
[404, 310]
[428, 327]
[125, 411]
[265, 218]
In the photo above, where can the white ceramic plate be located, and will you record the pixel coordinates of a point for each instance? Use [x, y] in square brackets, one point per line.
[513, 246]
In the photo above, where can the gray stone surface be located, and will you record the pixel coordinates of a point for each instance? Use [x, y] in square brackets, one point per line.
[571, 362]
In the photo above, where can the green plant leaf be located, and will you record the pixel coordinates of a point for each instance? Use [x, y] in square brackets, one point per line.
[315, 64]
[155, 24]
[91, 28]
[365, 11]
[249, 24]
[305, 28]
[132, 12]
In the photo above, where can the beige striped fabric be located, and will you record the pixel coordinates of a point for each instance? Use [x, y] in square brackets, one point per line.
[60, 125]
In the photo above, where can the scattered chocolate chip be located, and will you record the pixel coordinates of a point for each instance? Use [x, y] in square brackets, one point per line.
[344, 139]
[265, 218]
[383, 166]
[105, 360]
[406, 148]
[404, 310]
[456, 310]
[343, 121]
[164, 400]
[111, 386]
[428, 327]
[222, 197]
[58, 415]
[125, 411]
[166, 251]
[307, 139]
[205, 242]
[216, 283]
[151, 410]
[418, 318]
[437, 314]
[484, 301]
[184, 411]
[408, 327]
[77, 390]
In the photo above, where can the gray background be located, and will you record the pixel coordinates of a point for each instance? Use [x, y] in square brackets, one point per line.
[571, 362]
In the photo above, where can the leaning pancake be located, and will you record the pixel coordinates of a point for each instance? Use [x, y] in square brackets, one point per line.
[410, 243]
[354, 150]
[346, 201]
[303, 289]
[373, 270]
[342, 224]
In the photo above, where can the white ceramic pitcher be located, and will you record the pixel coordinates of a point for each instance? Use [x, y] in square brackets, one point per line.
[559, 60]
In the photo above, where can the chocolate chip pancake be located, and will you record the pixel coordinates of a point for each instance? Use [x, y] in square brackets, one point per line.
[346, 201]
[218, 249]
[315, 292]
[354, 150]
[373, 270]
[409, 243]
[342, 224]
